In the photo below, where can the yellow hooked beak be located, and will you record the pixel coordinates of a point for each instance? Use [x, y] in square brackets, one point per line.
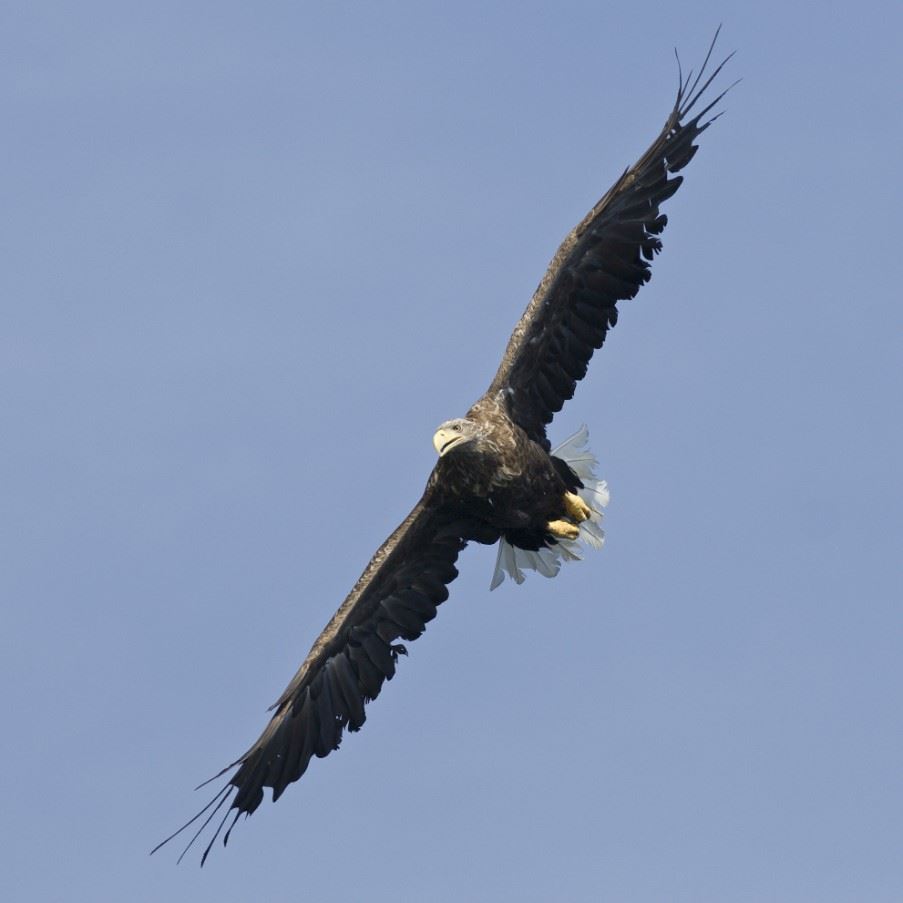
[445, 439]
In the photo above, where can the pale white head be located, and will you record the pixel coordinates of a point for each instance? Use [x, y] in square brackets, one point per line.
[453, 434]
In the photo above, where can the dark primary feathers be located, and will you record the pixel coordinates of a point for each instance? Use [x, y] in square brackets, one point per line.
[605, 259]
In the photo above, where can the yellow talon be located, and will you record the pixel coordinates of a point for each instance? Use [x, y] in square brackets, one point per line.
[575, 508]
[562, 529]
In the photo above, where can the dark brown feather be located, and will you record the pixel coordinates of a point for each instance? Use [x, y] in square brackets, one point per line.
[604, 260]
[395, 597]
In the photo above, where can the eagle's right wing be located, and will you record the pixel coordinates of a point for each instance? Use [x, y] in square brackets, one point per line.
[394, 599]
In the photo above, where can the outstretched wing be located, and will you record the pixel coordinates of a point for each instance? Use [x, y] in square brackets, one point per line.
[605, 259]
[394, 599]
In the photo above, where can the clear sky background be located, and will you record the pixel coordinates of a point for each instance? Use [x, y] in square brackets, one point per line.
[253, 255]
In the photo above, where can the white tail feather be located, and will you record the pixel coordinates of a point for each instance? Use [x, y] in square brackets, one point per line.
[547, 560]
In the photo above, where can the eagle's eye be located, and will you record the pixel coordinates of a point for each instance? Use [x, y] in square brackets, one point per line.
[456, 427]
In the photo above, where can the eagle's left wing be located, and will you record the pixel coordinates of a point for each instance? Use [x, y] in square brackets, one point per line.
[605, 259]
[394, 599]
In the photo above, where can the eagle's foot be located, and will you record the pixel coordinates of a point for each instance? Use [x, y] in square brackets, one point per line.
[562, 529]
[575, 508]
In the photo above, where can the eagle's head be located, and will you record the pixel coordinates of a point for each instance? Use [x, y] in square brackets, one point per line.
[454, 433]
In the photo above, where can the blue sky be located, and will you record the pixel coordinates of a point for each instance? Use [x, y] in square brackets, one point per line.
[254, 255]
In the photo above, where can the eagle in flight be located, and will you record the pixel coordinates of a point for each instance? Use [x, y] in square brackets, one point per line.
[497, 478]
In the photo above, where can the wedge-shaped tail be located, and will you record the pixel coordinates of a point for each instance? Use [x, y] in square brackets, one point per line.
[574, 451]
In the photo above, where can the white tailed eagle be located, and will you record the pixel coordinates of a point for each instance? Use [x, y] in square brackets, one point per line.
[497, 478]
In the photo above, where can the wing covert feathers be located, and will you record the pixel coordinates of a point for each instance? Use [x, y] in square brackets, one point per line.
[605, 259]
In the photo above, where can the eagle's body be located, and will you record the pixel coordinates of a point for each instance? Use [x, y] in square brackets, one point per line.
[503, 477]
[497, 478]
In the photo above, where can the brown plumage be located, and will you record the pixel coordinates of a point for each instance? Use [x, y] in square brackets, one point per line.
[495, 477]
